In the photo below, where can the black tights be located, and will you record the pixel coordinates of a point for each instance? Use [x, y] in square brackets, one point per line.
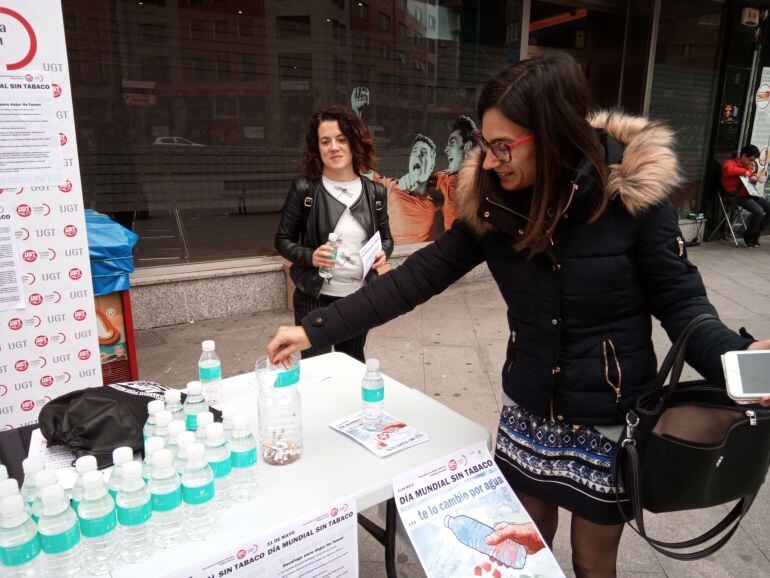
[594, 546]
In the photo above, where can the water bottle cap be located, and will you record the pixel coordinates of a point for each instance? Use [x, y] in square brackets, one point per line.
[195, 451]
[229, 409]
[131, 471]
[52, 494]
[8, 487]
[176, 427]
[92, 480]
[185, 439]
[172, 395]
[333, 237]
[214, 431]
[85, 464]
[162, 458]
[155, 406]
[122, 455]
[372, 364]
[240, 421]
[208, 345]
[163, 418]
[11, 505]
[3, 472]
[205, 419]
[32, 464]
[194, 388]
[153, 444]
[45, 478]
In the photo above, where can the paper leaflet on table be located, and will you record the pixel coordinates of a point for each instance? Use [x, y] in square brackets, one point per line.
[369, 252]
[57, 458]
[448, 506]
[392, 436]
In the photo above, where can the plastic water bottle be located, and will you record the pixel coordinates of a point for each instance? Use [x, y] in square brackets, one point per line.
[19, 545]
[59, 534]
[120, 457]
[166, 490]
[185, 440]
[210, 371]
[194, 404]
[43, 479]
[472, 533]
[204, 419]
[162, 421]
[9, 487]
[83, 465]
[151, 445]
[228, 412]
[155, 406]
[175, 428]
[3, 473]
[280, 411]
[243, 457]
[333, 242]
[218, 457]
[198, 492]
[134, 515]
[31, 466]
[98, 525]
[372, 395]
[173, 398]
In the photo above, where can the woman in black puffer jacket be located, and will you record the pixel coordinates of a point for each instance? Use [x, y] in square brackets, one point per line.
[570, 211]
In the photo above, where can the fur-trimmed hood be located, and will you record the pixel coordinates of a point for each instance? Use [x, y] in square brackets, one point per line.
[647, 174]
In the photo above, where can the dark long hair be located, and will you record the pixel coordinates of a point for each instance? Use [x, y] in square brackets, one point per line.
[549, 96]
[354, 129]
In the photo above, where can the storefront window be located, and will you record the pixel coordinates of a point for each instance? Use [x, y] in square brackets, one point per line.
[191, 114]
[685, 80]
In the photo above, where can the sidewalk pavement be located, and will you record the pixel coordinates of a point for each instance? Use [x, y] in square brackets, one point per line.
[453, 348]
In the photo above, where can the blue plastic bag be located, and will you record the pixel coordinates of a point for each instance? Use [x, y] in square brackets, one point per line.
[110, 248]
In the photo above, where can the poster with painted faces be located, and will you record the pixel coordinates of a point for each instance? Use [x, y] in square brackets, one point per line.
[421, 200]
[48, 339]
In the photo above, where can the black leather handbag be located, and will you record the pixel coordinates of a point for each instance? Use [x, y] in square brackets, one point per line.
[688, 446]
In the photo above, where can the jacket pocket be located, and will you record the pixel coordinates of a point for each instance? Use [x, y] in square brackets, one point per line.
[613, 375]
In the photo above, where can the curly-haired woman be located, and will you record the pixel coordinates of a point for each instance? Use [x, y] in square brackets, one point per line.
[333, 196]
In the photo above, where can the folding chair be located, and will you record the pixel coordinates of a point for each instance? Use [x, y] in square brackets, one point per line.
[731, 213]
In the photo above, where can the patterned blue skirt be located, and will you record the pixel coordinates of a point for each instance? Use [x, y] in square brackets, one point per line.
[560, 463]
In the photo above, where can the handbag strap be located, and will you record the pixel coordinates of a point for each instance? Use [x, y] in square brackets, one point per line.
[633, 487]
[674, 360]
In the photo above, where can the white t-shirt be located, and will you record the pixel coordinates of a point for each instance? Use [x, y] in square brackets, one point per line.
[349, 268]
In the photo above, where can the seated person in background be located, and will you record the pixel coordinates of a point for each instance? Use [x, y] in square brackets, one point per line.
[759, 207]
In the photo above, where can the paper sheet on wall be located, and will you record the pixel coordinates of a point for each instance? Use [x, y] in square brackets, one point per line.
[369, 252]
[11, 287]
[448, 507]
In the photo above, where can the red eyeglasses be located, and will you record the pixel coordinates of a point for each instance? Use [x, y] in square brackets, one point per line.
[501, 149]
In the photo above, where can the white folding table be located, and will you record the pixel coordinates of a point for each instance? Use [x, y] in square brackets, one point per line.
[332, 464]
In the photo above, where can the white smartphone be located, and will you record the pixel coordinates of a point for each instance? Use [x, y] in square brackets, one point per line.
[747, 374]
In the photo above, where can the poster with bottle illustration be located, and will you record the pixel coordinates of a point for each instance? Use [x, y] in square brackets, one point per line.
[463, 519]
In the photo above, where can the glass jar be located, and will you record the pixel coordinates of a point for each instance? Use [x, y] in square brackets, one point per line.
[280, 411]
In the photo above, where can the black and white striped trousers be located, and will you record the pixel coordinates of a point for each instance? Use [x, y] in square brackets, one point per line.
[304, 304]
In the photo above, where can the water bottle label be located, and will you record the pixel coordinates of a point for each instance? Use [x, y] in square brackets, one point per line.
[244, 459]
[113, 492]
[58, 543]
[93, 528]
[221, 468]
[135, 516]
[198, 494]
[373, 395]
[288, 377]
[192, 421]
[74, 503]
[166, 502]
[210, 373]
[21, 554]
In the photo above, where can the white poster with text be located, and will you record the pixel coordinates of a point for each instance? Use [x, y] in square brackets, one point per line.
[48, 340]
[464, 520]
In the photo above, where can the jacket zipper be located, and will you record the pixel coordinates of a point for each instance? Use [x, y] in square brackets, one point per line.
[615, 388]
[504, 208]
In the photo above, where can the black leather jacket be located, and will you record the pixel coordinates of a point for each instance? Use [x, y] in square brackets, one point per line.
[310, 213]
